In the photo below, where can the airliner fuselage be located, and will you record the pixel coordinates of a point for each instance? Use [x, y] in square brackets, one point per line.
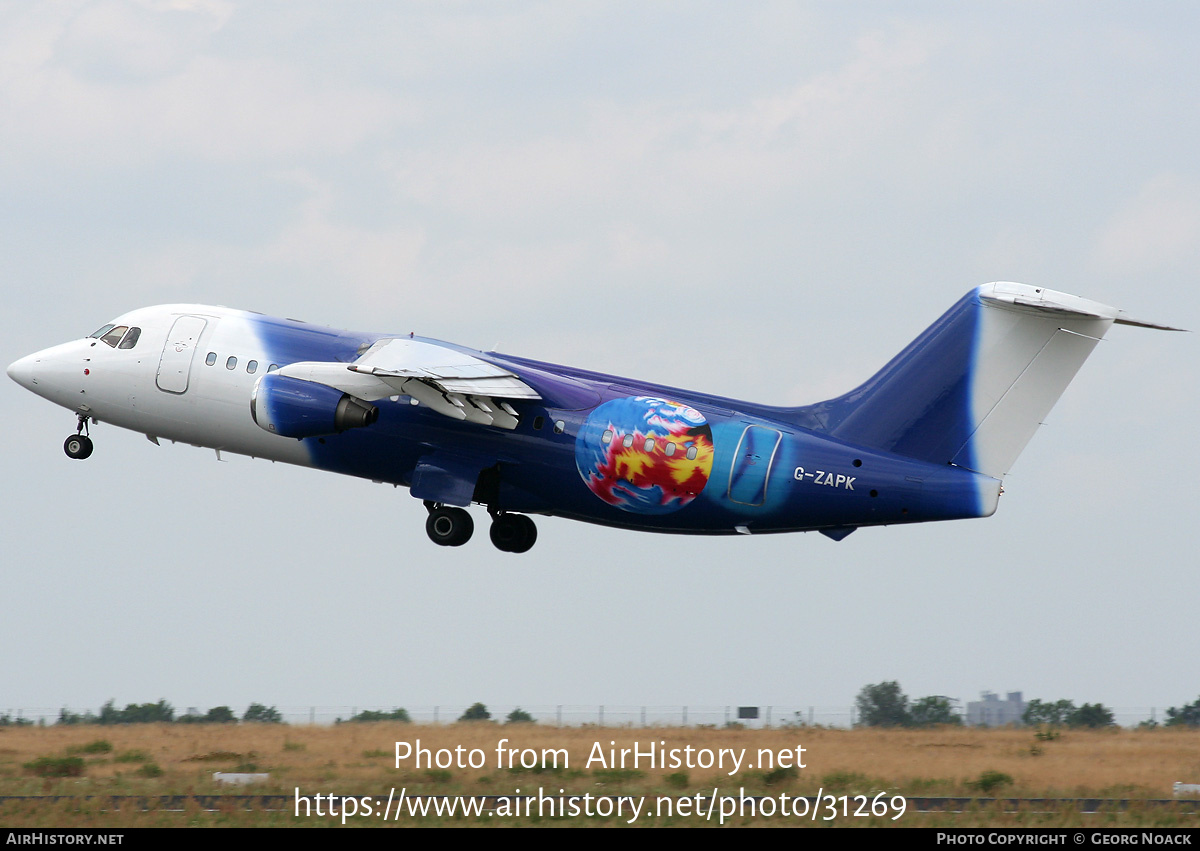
[928, 438]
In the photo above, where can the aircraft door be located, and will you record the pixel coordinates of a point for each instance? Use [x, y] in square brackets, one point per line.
[751, 469]
[176, 363]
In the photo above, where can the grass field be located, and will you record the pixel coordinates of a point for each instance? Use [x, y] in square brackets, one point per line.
[360, 760]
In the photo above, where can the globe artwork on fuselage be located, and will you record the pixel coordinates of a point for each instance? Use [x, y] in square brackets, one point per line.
[644, 454]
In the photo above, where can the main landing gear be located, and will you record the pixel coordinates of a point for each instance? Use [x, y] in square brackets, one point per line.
[512, 533]
[79, 445]
[448, 526]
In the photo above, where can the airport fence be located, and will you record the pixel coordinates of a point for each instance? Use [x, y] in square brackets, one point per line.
[575, 715]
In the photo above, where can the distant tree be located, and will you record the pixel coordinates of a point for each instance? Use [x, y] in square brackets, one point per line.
[519, 716]
[220, 715]
[1091, 715]
[1187, 715]
[161, 712]
[932, 711]
[476, 712]
[1044, 712]
[262, 714]
[137, 713]
[400, 714]
[66, 716]
[882, 705]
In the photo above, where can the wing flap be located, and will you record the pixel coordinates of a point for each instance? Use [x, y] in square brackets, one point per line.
[449, 369]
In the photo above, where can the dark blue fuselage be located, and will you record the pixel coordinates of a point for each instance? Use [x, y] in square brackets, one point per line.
[593, 449]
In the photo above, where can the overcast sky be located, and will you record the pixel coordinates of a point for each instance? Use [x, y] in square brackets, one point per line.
[761, 200]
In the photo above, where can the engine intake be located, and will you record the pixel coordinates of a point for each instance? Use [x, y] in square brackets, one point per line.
[291, 407]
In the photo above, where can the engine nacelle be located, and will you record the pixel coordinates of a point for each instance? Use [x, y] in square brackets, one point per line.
[291, 407]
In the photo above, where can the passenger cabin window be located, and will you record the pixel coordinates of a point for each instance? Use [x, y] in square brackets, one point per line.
[607, 437]
[131, 338]
[252, 367]
[231, 363]
[691, 453]
[559, 426]
[114, 336]
[273, 368]
[211, 359]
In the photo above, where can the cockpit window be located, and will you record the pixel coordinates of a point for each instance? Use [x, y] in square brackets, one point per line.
[114, 336]
[100, 332]
[131, 338]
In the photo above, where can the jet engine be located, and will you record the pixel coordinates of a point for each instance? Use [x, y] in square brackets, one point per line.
[291, 407]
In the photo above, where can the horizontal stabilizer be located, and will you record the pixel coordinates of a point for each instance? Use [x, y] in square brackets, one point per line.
[1129, 320]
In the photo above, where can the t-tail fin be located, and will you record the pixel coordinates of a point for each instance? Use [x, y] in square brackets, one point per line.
[972, 389]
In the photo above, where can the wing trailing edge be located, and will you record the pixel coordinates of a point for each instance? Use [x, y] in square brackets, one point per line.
[451, 382]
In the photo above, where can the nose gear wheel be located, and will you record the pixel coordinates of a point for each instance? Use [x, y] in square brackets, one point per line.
[79, 445]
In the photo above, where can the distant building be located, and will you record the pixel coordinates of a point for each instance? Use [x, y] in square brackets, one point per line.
[991, 711]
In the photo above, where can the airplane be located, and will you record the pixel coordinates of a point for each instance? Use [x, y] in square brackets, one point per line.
[929, 437]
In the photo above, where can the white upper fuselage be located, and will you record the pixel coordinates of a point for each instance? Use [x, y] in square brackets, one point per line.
[124, 387]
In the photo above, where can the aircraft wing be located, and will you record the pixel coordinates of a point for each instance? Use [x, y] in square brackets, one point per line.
[448, 381]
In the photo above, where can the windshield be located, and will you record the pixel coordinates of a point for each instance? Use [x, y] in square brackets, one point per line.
[114, 336]
[117, 336]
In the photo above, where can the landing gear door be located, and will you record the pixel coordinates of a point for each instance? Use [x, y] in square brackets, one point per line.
[176, 362]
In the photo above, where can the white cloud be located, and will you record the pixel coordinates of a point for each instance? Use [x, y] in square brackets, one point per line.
[122, 84]
[124, 41]
[377, 264]
[672, 156]
[1157, 230]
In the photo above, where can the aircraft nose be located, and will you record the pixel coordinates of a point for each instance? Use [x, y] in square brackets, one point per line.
[24, 371]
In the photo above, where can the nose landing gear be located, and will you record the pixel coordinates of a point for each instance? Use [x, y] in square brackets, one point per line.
[79, 445]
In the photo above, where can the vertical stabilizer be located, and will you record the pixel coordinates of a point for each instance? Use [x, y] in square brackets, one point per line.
[973, 388]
